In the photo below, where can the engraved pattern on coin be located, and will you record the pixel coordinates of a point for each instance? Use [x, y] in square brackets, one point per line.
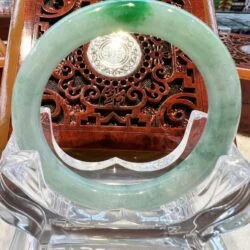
[114, 55]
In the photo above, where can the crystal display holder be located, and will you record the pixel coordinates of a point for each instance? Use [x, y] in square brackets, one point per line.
[183, 200]
[220, 204]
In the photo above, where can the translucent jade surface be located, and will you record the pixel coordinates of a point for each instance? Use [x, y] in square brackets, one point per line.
[148, 17]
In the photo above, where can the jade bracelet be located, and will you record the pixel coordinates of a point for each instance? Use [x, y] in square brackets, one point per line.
[147, 17]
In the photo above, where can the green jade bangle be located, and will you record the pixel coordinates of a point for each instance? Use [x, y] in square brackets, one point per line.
[147, 17]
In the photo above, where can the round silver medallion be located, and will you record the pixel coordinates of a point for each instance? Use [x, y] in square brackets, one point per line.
[114, 55]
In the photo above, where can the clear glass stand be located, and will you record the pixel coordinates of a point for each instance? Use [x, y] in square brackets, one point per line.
[195, 221]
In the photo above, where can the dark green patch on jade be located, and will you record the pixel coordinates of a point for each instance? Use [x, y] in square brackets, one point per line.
[130, 12]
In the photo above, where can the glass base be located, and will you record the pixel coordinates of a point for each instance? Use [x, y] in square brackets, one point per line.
[15, 239]
[195, 221]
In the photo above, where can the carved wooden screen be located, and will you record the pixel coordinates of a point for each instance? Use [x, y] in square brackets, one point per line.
[239, 47]
[146, 110]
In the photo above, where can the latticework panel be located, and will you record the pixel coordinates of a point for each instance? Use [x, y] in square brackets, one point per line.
[239, 47]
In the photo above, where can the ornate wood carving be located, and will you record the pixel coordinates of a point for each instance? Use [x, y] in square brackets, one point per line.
[161, 93]
[239, 47]
[155, 101]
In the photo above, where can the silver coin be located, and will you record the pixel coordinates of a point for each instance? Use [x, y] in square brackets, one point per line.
[114, 55]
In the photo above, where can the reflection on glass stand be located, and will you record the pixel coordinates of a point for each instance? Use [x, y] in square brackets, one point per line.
[220, 204]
